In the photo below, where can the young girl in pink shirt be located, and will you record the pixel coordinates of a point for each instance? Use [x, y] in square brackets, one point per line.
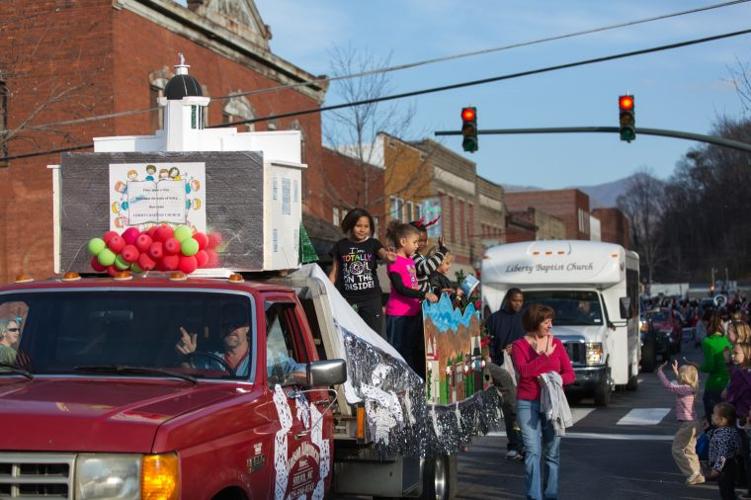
[403, 310]
[684, 442]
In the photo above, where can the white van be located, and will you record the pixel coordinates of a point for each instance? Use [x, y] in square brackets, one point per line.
[594, 289]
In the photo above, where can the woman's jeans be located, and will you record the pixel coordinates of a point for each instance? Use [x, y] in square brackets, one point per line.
[540, 441]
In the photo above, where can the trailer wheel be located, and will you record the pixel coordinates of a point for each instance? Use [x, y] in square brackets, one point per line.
[439, 478]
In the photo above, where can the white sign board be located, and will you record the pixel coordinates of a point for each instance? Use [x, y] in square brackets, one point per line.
[144, 194]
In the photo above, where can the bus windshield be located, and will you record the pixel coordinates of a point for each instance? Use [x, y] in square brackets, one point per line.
[572, 307]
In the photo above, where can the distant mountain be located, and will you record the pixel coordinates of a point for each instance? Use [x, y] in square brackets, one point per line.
[600, 195]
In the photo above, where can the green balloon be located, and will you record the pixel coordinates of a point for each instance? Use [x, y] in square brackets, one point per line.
[96, 245]
[106, 257]
[189, 247]
[182, 233]
[136, 268]
[121, 263]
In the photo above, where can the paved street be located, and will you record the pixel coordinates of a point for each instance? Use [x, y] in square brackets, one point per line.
[620, 452]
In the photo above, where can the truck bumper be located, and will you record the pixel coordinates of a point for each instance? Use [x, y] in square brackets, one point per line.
[587, 378]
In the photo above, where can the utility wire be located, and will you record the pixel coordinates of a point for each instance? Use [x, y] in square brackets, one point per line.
[493, 79]
[463, 55]
[418, 63]
[443, 88]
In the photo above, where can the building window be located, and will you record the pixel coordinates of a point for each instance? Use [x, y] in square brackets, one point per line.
[376, 222]
[3, 120]
[462, 223]
[157, 81]
[335, 219]
[471, 228]
[409, 206]
[397, 208]
[238, 108]
[416, 212]
[452, 226]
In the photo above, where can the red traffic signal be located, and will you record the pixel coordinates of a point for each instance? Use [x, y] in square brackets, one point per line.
[468, 114]
[626, 102]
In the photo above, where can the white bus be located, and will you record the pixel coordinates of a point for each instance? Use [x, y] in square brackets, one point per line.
[593, 288]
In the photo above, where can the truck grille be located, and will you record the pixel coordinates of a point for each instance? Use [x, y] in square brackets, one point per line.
[36, 475]
[577, 352]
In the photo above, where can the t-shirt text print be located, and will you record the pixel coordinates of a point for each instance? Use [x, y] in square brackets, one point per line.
[357, 263]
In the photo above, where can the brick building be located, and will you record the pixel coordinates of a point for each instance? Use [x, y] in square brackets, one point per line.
[352, 184]
[520, 226]
[614, 226]
[491, 213]
[543, 226]
[569, 205]
[65, 60]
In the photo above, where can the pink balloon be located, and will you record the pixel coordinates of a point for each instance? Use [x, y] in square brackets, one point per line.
[202, 239]
[96, 265]
[145, 262]
[130, 253]
[202, 258]
[130, 235]
[188, 264]
[156, 251]
[164, 233]
[143, 242]
[171, 246]
[215, 239]
[116, 243]
[109, 234]
[171, 262]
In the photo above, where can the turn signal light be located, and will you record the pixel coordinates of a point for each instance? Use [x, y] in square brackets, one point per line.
[160, 477]
[71, 276]
[24, 278]
[178, 276]
[236, 278]
[122, 276]
[360, 432]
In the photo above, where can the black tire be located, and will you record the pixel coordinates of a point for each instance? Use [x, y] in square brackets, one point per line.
[439, 478]
[633, 383]
[649, 354]
[602, 392]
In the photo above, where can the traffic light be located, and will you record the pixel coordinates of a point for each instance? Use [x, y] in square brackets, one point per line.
[469, 129]
[627, 120]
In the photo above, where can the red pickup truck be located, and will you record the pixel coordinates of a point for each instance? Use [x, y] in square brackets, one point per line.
[166, 387]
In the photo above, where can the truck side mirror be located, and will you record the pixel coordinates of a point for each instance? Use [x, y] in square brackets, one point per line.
[326, 372]
[625, 303]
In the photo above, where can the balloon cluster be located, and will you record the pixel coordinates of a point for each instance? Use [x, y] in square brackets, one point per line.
[160, 247]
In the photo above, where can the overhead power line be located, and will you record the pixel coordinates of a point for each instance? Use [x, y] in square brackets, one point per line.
[416, 64]
[493, 79]
[443, 88]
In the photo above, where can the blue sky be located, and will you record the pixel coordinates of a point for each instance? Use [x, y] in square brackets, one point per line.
[683, 89]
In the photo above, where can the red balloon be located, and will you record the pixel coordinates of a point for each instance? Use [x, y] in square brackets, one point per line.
[143, 242]
[109, 234]
[96, 265]
[130, 235]
[215, 239]
[152, 231]
[171, 246]
[112, 270]
[156, 251]
[164, 233]
[213, 258]
[188, 264]
[145, 262]
[170, 262]
[116, 243]
[202, 258]
[202, 239]
[130, 253]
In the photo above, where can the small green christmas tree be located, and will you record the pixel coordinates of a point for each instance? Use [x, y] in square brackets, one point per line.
[307, 252]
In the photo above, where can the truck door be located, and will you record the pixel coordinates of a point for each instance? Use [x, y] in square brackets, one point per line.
[299, 456]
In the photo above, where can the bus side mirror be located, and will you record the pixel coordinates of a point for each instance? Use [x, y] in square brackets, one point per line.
[625, 303]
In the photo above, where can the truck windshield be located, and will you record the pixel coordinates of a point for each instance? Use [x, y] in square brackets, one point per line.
[185, 335]
[572, 307]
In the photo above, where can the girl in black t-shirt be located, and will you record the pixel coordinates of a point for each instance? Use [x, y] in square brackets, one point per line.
[354, 270]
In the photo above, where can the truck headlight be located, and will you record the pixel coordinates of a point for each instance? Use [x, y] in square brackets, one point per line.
[595, 354]
[132, 477]
[102, 475]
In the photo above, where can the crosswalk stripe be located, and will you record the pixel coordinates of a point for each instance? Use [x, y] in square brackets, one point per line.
[644, 416]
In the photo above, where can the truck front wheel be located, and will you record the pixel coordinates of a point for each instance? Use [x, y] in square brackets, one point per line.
[602, 391]
[439, 478]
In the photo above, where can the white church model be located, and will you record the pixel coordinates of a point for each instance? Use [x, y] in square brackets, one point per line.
[270, 184]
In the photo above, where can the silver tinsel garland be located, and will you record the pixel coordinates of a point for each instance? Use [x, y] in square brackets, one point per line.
[399, 419]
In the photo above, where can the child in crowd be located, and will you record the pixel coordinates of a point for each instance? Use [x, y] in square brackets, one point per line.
[738, 394]
[354, 269]
[684, 442]
[440, 281]
[425, 265]
[403, 311]
[724, 447]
